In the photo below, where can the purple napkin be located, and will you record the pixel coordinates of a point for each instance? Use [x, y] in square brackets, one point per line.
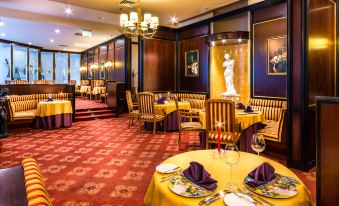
[240, 106]
[199, 176]
[161, 101]
[248, 109]
[261, 175]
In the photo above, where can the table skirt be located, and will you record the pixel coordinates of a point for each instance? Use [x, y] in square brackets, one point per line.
[171, 123]
[53, 122]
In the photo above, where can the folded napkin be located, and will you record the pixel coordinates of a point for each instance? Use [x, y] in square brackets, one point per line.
[261, 175]
[240, 106]
[199, 176]
[50, 99]
[161, 101]
[248, 109]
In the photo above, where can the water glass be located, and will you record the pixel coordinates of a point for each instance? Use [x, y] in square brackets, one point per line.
[258, 143]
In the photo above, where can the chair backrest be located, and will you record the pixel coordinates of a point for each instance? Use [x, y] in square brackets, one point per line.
[97, 83]
[272, 109]
[129, 100]
[84, 82]
[146, 102]
[220, 111]
[73, 82]
[182, 114]
[16, 82]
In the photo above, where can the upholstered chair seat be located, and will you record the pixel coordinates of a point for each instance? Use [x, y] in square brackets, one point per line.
[132, 108]
[24, 115]
[226, 137]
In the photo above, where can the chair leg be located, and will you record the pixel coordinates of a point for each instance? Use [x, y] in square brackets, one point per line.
[139, 126]
[165, 124]
[129, 122]
[132, 120]
[179, 140]
[154, 127]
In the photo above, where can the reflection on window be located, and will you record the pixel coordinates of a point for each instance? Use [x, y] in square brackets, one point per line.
[19, 63]
[75, 67]
[61, 68]
[47, 65]
[5, 62]
[33, 64]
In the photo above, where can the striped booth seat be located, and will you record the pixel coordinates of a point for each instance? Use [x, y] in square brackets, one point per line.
[16, 82]
[274, 112]
[23, 107]
[197, 101]
[35, 187]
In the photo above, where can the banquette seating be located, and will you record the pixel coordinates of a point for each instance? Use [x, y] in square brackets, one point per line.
[275, 115]
[44, 82]
[16, 82]
[23, 185]
[22, 107]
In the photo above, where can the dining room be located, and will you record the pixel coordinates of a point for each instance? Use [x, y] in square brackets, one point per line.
[170, 103]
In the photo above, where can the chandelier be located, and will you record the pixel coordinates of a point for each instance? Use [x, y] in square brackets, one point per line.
[138, 25]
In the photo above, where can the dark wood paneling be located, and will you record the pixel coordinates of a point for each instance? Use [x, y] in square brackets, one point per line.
[119, 42]
[110, 71]
[264, 85]
[165, 33]
[194, 32]
[194, 84]
[119, 71]
[159, 65]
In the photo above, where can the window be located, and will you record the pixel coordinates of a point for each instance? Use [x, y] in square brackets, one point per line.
[61, 68]
[33, 64]
[5, 62]
[75, 67]
[47, 65]
[19, 63]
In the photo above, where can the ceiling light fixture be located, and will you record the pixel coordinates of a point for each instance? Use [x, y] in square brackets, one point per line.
[52, 40]
[57, 31]
[68, 11]
[2, 23]
[138, 24]
[3, 34]
[174, 20]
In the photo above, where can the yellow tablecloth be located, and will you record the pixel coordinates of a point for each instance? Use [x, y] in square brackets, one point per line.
[55, 107]
[85, 88]
[170, 106]
[244, 120]
[99, 90]
[159, 193]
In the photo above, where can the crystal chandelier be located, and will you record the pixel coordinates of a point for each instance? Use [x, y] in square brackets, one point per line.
[139, 25]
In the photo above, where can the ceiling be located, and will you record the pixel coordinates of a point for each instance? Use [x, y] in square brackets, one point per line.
[35, 21]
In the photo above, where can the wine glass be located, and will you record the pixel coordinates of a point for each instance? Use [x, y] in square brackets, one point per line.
[232, 157]
[258, 143]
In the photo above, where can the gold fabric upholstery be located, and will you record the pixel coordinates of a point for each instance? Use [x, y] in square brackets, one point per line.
[35, 186]
[72, 82]
[147, 110]
[220, 111]
[28, 114]
[16, 82]
[197, 101]
[274, 112]
[44, 82]
[84, 82]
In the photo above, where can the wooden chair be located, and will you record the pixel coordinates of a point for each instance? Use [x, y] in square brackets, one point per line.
[16, 82]
[148, 112]
[187, 126]
[132, 112]
[72, 82]
[220, 111]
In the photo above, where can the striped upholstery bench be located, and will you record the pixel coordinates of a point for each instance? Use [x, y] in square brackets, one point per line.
[22, 107]
[274, 112]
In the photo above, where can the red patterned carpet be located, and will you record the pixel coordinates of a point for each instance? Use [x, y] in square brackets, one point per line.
[88, 104]
[97, 163]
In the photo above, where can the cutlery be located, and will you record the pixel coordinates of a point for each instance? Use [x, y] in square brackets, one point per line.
[164, 179]
[244, 198]
[213, 198]
[171, 169]
[257, 197]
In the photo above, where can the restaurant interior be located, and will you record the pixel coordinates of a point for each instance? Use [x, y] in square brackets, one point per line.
[168, 103]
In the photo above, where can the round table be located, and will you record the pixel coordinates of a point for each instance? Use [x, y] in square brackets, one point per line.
[159, 194]
[244, 120]
[170, 107]
[53, 114]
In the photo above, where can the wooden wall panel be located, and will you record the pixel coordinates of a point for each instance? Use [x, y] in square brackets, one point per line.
[194, 84]
[187, 33]
[119, 71]
[110, 71]
[159, 65]
[267, 24]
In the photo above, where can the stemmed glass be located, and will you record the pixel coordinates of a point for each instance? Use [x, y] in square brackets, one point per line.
[232, 157]
[258, 143]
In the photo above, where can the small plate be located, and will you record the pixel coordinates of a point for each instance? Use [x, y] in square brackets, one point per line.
[182, 186]
[280, 187]
[233, 200]
[166, 168]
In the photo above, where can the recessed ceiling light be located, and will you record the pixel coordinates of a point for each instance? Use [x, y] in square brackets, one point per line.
[2, 23]
[57, 31]
[3, 34]
[174, 20]
[68, 11]
[51, 40]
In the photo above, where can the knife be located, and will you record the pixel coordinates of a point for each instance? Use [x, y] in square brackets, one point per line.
[213, 198]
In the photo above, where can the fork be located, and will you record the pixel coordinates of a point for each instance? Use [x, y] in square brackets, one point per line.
[164, 179]
[246, 192]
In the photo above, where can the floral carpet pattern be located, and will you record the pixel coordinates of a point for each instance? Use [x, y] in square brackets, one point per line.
[95, 163]
[88, 104]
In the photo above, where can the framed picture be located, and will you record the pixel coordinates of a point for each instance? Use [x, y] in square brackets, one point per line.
[192, 63]
[277, 55]
[102, 72]
[90, 74]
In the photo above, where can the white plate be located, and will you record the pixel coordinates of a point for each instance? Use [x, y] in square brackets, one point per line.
[232, 200]
[166, 168]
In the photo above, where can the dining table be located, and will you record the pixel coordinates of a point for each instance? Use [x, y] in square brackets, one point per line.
[51, 114]
[169, 109]
[159, 193]
[246, 124]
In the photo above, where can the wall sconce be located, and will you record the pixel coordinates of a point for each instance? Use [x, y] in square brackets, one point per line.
[94, 66]
[83, 69]
[108, 64]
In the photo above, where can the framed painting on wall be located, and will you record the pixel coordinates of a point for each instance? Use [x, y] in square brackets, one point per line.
[277, 55]
[102, 72]
[192, 63]
[90, 74]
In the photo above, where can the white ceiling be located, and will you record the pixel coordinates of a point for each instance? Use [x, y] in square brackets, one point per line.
[35, 20]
